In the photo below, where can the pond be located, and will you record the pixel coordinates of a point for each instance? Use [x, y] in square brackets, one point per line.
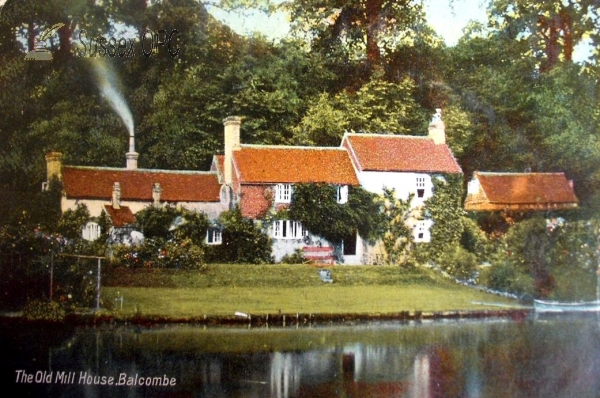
[551, 356]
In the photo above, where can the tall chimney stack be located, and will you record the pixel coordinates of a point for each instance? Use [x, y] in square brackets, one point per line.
[116, 196]
[53, 166]
[232, 143]
[437, 129]
[132, 156]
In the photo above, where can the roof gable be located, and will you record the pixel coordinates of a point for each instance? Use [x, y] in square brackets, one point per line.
[177, 186]
[120, 217]
[381, 152]
[286, 164]
[526, 188]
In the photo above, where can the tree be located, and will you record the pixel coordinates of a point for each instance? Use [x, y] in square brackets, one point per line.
[552, 28]
[364, 29]
[378, 107]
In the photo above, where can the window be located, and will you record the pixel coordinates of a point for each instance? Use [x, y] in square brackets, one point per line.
[342, 194]
[91, 231]
[283, 193]
[214, 236]
[420, 182]
[420, 232]
[287, 229]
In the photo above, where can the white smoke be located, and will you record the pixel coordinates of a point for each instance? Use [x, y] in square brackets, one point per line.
[107, 83]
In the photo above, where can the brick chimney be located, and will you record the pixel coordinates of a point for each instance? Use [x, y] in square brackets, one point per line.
[116, 196]
[156, 191]
[437, 129]
[54, 166]
[232, 143]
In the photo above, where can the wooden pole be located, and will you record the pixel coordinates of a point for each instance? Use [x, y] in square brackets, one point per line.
[98, 285]
[51, 272]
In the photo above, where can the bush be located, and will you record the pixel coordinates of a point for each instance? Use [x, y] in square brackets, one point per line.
[158, 253]
[243, 241]
[296, 258]
[459, 262]
[506, 277]
[38, 310]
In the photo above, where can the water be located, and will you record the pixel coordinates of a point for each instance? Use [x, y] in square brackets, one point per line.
[555, 356]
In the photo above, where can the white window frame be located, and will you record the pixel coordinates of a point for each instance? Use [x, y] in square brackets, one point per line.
[283, 193]
[342, 194]
[91, 231]
[420, 228]
[288, 229]
[420, 185]
[214, 236]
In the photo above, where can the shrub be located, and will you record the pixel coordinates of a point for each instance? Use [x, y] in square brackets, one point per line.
[44, 311]
[507, 277]
[296, 258]
[459, 262]
[243, 242]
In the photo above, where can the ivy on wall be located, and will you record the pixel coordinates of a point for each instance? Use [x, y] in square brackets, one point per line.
[316, 207]
[445, 209]
[397, 239]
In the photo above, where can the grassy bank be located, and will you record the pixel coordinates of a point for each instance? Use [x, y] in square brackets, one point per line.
[224, 289]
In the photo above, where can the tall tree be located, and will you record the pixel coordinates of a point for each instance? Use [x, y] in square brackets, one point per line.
[366, 29]
[553, 28]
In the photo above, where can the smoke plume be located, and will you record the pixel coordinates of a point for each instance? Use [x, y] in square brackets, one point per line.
[108, 84]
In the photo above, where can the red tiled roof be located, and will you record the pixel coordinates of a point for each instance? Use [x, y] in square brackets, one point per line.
[97, 183]
[379, 152]
[284, 164]
[120, 217]
[524, 188]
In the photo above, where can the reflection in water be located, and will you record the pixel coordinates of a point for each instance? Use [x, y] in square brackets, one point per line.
[558, 357]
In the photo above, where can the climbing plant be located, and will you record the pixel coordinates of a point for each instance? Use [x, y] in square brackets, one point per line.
[397, 238]
[317, 208]
[444, 208]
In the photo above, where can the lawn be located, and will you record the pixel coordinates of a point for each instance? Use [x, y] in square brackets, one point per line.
[224, 289]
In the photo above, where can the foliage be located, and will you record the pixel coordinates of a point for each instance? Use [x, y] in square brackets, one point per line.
[164, 222]
[377, 107]
[507, 277]
[543, 251]
[160, 253]
[72, 222]
[397, 238]
[315, 206]
[458, 262]
[551, 28]
[296, 258]
[444, 208]
[475, 241]
[38, 310]
[243, 242]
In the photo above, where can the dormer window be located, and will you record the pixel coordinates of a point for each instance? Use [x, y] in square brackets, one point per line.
[420, 183]
[214, 236]
[283, 193]
[342, 194]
